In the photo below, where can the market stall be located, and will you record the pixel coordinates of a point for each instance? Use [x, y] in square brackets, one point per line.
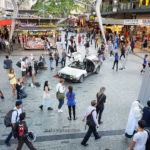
[37, 39]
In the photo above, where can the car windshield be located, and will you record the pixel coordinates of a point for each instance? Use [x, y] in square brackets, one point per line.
[77, 64]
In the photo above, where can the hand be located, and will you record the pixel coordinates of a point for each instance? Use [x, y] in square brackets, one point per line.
[129, 148]
[83, 120]
[98, 126]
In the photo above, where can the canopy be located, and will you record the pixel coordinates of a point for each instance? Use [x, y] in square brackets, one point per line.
[5, 22]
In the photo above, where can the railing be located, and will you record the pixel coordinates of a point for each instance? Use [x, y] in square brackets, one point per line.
[123, 7]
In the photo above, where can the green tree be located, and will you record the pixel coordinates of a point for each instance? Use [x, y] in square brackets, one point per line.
[61, 8]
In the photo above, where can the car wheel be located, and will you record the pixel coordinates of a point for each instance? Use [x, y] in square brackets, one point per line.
[97, 70]
[81, 79]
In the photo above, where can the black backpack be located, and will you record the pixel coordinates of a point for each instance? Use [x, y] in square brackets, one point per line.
[7, 119]
[90, 120]
[148, 140]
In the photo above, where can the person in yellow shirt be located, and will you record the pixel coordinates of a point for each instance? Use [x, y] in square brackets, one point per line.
[12, 79]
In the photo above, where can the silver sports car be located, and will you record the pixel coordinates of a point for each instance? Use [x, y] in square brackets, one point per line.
[80, 68]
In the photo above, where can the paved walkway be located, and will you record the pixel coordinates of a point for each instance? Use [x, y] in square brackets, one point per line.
[53, 130]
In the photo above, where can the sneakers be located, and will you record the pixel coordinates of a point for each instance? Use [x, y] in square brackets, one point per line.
[84, 144]
[60, 110]
[41, 107]
[49, 108]
[7, 143]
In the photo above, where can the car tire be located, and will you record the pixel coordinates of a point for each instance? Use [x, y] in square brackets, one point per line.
[97, 70]
[81, 79]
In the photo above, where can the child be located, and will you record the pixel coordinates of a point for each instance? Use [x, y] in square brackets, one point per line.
[21, 132]
[111, 48]
[116, 61]
[144, 63]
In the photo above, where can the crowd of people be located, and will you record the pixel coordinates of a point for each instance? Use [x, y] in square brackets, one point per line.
[138, 118]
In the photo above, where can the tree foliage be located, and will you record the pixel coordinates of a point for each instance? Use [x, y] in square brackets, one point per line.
[59, 7]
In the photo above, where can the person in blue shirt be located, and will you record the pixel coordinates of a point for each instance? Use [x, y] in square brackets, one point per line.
[70, 95]
[144, 63]
[116, 61]
[146, 115]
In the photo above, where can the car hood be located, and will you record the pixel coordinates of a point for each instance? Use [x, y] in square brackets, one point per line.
[72, 71]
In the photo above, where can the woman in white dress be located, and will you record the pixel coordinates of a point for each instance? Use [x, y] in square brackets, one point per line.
[46, 96]
[134, 116]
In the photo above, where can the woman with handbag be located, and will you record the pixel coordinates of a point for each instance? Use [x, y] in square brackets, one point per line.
[60, 94]
[12, 79]
[101, 99]
[46, 97]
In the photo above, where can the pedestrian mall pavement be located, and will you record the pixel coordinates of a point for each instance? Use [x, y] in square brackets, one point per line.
[54, 131]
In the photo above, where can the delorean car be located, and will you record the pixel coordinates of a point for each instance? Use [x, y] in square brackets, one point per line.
[80, 68]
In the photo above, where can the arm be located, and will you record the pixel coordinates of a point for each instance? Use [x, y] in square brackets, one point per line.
[46, 89]
[13, 118]
[94, 118]
[132, 145]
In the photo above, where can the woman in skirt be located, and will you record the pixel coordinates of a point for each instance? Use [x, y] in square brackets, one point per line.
[46, 97]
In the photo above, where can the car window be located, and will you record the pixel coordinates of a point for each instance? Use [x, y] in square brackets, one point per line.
[78, 65]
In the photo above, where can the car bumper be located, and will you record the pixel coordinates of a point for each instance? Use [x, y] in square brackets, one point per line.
[66, 77]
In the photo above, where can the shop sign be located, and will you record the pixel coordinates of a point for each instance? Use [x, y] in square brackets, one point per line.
[131, 22]
[146, 22]
[47, 26]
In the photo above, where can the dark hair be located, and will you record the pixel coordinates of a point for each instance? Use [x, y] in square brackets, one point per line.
[70, 88]
[22, 116]
[24, 59]
[146, 55]
[116, 54]
[142, 124]
[7, 56]
[18, 103]
[46, 84]
[148, 103]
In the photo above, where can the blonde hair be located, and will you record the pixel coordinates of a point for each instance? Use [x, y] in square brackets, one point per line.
[101, 91]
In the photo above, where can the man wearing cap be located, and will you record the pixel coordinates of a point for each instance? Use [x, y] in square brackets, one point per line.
[92, 128]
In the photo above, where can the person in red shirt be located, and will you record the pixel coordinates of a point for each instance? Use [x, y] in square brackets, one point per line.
[79, 39]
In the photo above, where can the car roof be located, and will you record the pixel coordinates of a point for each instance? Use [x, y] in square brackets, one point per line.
[92, 58]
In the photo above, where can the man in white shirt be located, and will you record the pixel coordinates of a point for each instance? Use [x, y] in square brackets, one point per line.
[23, 70]
[14, 119]
[61, 89]
[92, 128]
[140, 138]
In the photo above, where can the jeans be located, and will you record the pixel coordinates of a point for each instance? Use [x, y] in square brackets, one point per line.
[74, 112]
[61, 102]
[9, 137]
[63, 62]
[99, 111]
[29, 144]
[88, 134]
[115, 62]
[51, 63]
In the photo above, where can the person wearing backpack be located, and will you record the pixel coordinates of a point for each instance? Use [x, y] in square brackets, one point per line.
[11, 119]
[21, 133]
[92, 122]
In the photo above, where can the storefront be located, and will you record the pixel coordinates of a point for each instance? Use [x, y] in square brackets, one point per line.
[36, 39]
[139, 29]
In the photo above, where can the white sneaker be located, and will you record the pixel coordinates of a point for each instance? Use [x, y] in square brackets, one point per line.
[61, 110]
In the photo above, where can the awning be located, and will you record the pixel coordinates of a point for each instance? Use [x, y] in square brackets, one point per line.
[5, 22]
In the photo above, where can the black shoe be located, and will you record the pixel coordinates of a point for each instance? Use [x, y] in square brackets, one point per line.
[75, 118]
[49, 108]
[84, 144]
[97, 137]
[69, 118]
[7, 143]
[41, 107]
[100, 122]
